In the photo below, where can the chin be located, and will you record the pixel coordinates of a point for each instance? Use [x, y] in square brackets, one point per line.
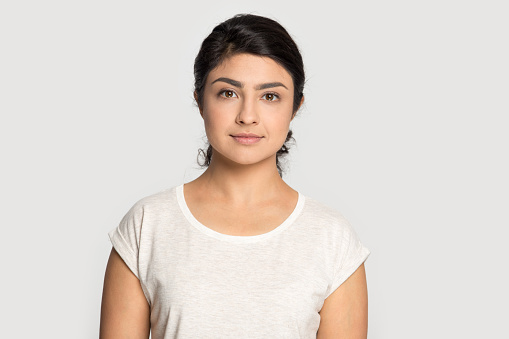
[245, 159]
[248, 160]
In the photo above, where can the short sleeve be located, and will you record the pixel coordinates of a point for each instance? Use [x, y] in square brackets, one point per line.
[125, 238]
[351, 254]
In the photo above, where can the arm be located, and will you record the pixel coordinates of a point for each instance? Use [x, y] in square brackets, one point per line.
[125, 312]
[344, 314]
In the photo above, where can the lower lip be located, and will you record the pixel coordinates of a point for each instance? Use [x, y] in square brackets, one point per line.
[247, 140]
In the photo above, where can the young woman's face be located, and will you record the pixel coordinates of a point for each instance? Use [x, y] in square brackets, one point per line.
[247, 108]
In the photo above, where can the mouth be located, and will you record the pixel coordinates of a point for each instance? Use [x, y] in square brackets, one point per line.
[246, 138]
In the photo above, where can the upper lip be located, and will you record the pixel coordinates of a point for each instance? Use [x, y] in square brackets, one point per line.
[246, 135]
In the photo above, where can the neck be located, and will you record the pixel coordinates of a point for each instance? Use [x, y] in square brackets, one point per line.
[241, 184]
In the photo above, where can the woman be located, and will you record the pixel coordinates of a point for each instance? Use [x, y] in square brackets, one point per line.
[237, 253]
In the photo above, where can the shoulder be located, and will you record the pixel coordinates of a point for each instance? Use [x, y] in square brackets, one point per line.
[324, 216]
[153, 202]
[149, 207]
[146, 211]
[328, 226]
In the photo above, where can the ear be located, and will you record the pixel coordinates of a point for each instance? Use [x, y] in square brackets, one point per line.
[300, 105]
[197, 103]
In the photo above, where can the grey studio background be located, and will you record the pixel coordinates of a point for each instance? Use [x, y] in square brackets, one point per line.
[404, 131]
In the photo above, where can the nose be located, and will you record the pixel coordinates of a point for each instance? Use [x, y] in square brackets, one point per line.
[248, 113]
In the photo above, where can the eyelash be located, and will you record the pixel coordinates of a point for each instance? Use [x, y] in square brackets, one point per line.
[222, 92]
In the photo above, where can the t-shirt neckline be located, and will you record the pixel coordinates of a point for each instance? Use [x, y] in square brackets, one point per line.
[179, 191]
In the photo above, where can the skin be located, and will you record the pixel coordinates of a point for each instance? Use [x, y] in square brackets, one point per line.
[241, 186]
[125, 312]
[344, 313]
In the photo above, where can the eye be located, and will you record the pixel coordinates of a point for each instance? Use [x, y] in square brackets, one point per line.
[271, 96]
[227, 93]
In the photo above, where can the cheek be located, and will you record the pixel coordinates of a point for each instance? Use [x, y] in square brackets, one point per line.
[211, 123]
[279, 127]
[215, 120]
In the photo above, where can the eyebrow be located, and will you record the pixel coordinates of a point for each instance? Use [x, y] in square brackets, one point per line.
[241, 85]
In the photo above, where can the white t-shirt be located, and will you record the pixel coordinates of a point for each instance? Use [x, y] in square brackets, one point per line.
[200, 283]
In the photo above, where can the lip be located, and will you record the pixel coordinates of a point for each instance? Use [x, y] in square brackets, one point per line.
[246, 135]
[247, 138]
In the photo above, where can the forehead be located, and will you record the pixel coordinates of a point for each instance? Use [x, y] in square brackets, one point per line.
[251, 69]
